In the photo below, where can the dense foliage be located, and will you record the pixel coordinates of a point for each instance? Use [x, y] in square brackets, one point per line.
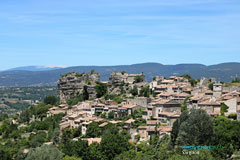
[194, 127]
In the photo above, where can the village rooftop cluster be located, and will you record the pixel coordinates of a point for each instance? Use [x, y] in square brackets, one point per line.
[159, 110]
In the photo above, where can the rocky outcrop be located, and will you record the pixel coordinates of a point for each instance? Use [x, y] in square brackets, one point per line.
[117, 82]
[117, 79]
[121, 81]
[73, 84]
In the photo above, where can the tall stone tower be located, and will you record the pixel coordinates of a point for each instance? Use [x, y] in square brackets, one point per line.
[217, 89]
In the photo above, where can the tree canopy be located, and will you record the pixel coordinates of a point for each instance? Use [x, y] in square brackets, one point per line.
[44, 152]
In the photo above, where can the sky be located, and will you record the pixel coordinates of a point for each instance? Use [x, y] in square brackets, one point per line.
[118, 32]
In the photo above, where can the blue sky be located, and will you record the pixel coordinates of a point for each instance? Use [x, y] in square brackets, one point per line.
[112, 32]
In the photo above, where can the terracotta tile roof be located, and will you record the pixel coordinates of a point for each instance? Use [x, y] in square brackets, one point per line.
[151, 122]
[208, 91]
[48, 143]
[25, 151]
[134, 75]
[129, 106]
[130, 121]
[164, 129]
[169, 114]
[115, 122]
[161, 86]
[162, 101]
[209, 102]
[92, 140]
[142, 127]
[167, 81]
[103, 124]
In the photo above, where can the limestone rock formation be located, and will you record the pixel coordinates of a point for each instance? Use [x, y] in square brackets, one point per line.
[121, 81]
[117, 79]
[73, 84]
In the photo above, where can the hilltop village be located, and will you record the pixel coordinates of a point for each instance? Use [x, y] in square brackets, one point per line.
[140, 107]
[127, 118]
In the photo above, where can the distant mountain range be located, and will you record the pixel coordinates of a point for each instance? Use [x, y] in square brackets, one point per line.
[37, 68]
[222, 72]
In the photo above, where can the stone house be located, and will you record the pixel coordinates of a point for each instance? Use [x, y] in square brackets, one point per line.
[131, 77]
[147, 113]
[142, 131]
[142, 101]
[99, 108]
[210, 106]
[164, 130]
[233, 104]
[128, 124]
[170, 117]
[160, 88]
[167, 105]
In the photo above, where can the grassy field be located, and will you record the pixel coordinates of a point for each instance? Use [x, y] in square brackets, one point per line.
[232, 84]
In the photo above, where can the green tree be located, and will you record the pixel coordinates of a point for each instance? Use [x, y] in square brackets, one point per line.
[50, 100]
[134, 91]
[197, 129]
[103, 115]
[137, 113]
[71, 158]
[210, 86]
[3, 116]
[75, 101]
[38, 139]
[176, 127]
[113, 143]
[187, 76]
[224, 108]
[77, 132]
[232, 116]
[25, 116]
[55, 137]
[133, 155]
[92, 71]
[101, 89]
[85, 93]
[93, 130]
[184, 105]
[40, 111]
[4, 153]
[236, 80]
[145, 91]
[118, 99]
[8, 129]
[138, 79]
[45, 152]
[66, 135]
[111, 115]
[94, 152]
[76, 148]
[226, 135]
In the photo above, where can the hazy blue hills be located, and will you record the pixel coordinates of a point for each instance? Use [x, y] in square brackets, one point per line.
[37, 68]
[223, 72]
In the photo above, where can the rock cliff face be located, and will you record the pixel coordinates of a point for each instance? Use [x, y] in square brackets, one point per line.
[117, 79]
[73, 84]
[118, 82]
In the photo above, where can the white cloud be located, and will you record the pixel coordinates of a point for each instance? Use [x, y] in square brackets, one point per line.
[52, 66]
